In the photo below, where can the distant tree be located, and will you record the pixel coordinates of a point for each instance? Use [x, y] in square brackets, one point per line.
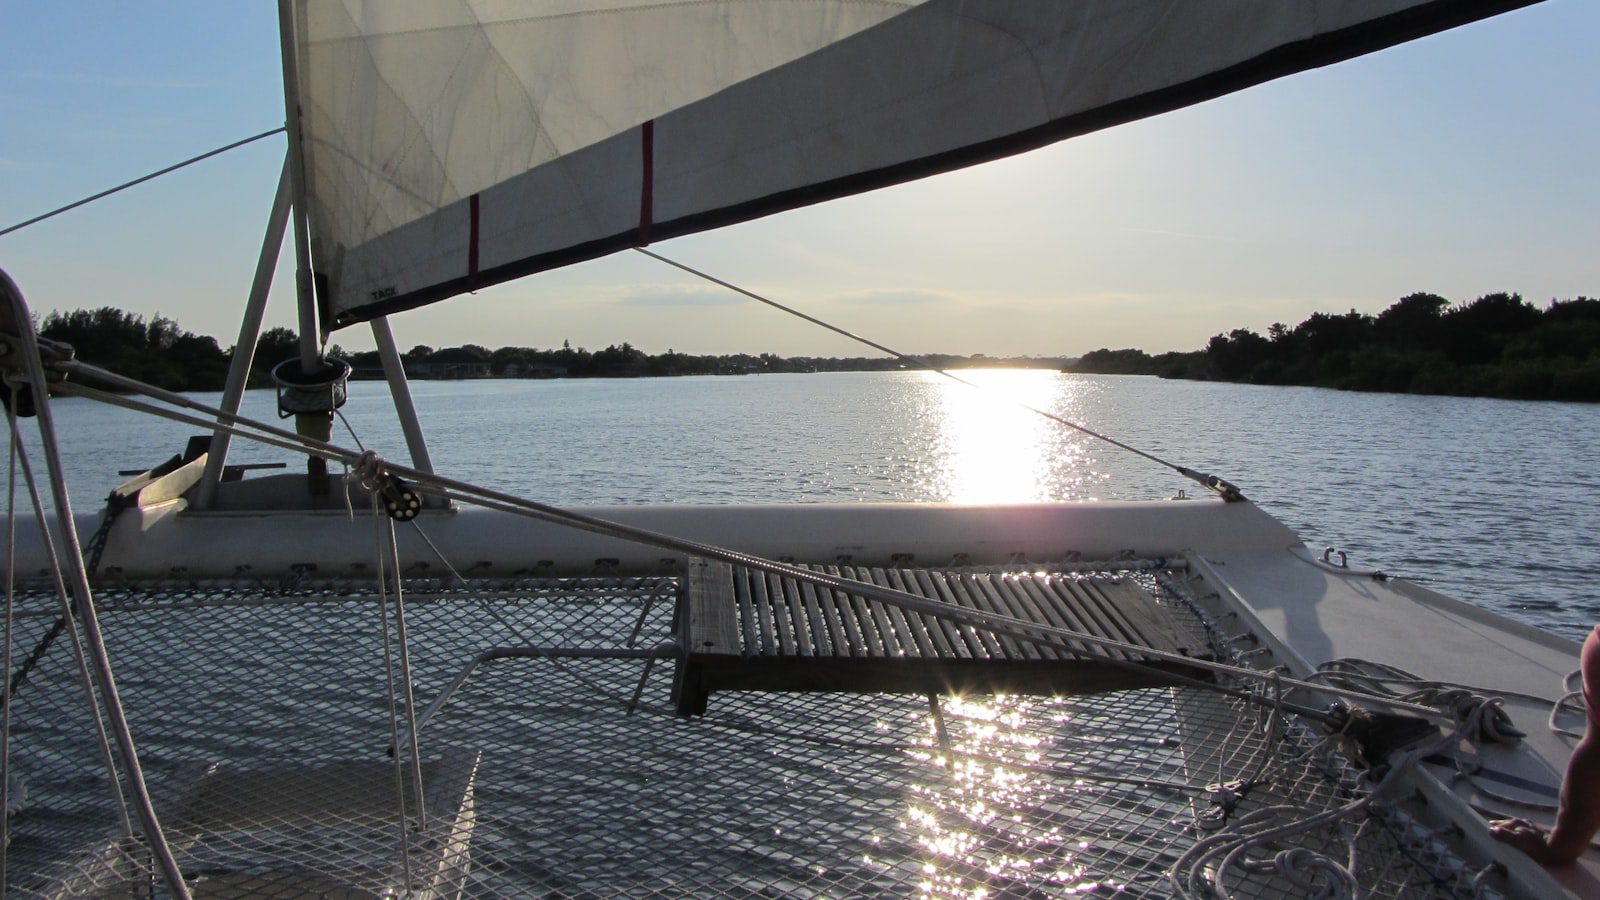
[273, 346]
[157, 352]
[1239, 353]
[1413, 321]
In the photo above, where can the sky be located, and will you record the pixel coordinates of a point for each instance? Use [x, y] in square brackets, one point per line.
[1462, 164]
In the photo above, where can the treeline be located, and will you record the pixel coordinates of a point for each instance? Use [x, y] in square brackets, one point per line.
[626, 360]
[157, 351]
[1498, 345]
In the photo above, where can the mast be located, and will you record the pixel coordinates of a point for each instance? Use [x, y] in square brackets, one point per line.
[310, 351]
[316, 389]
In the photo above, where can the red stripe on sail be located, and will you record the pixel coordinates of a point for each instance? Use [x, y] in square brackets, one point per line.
[647, 136]
[472, 243]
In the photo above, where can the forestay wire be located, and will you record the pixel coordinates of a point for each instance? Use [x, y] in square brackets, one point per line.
[1211, 482]
[140, 180]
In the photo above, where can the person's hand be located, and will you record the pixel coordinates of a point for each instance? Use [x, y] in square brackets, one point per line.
[1525, 836]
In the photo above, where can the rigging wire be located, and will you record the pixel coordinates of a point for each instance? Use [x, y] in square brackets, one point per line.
[140, 180]
[1212, 482]
[69, 626]
[1012, 627]
[6, 770]
[32, 371]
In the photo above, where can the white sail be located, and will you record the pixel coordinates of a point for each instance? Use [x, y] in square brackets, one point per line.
[450, 146]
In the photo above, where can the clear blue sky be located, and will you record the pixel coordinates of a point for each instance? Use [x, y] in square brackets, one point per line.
[1462, 164]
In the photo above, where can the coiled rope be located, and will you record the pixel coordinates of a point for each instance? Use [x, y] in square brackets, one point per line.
[1203, 871]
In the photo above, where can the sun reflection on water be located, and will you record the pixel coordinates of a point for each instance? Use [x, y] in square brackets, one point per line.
[973, 816]
[992, 450]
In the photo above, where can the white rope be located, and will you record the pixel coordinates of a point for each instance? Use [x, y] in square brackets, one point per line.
[1564, 703]
[1202, 871]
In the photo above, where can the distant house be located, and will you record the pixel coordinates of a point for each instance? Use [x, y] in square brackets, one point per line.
[453, 362]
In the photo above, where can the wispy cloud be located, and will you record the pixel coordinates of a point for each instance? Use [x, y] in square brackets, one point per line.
[679, 297]
[893, 297]
[13, 164]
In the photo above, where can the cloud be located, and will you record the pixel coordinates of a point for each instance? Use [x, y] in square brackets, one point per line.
[893, 297]
[681, 297]
[15, 164]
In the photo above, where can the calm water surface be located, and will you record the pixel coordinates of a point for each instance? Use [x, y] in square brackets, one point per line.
[1492, 499]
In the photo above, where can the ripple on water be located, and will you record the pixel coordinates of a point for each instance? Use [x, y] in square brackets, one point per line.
[1490, 497]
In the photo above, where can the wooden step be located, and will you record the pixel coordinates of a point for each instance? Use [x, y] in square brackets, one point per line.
[748, 630]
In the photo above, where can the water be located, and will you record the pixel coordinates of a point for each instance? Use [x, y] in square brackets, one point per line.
[1490, 498]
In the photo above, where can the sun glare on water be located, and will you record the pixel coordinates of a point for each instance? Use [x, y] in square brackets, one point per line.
[974, 818]
[993, 450]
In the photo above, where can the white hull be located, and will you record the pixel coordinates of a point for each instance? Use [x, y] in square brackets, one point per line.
[156, 541]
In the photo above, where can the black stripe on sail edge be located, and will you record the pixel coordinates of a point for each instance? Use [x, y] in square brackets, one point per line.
[1326, 49]
[647, 180]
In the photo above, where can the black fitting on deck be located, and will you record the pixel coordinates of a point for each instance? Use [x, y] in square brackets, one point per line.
[1224, 489]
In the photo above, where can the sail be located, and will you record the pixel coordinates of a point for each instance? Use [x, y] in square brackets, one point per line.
[454, 145]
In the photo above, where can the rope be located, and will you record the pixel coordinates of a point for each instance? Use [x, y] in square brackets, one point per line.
[94, 550]
[1457, 699]
[1565, 703]
[742, 725]
[388, 668]
[516, 632]
[140, 180]
[1019, 629]
[1211, 482]
[408, 696]
[33, 372]
[1201, 872]
[63, 599]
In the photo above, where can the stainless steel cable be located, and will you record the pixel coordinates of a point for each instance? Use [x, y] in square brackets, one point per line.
[70, 627]
[33, 372]
[481, 496]
[7, 773]
[379, 521]
[1210, 482]
[140, 180]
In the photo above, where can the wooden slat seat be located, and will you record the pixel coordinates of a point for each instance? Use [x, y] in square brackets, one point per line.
[747, 630]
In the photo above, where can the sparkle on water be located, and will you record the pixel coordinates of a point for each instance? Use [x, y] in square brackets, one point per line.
[1491, 498]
